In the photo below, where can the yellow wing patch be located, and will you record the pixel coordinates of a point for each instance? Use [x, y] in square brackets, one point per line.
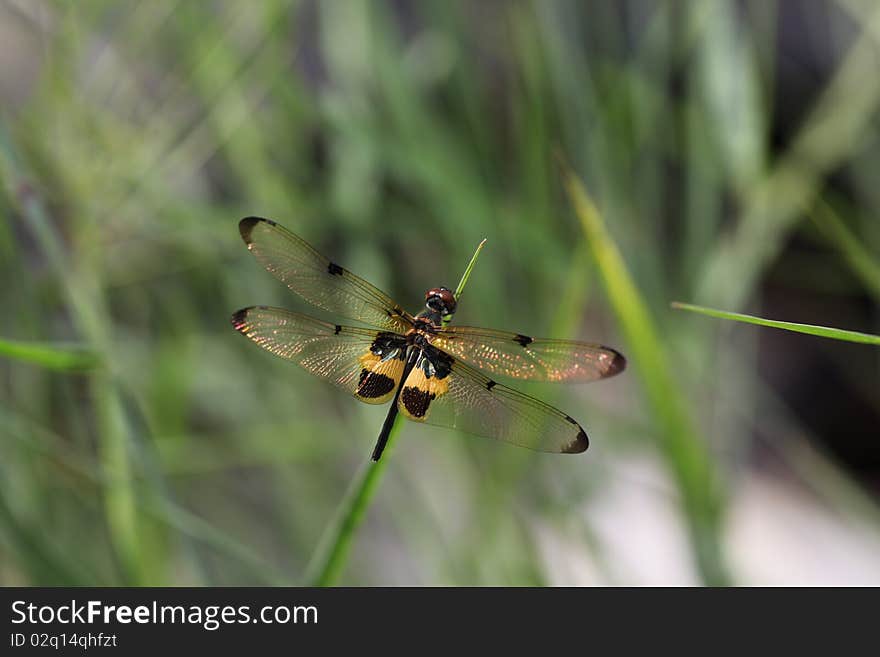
[418, 392]
[378, 379]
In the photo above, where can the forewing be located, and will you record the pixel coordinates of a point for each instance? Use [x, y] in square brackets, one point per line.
[318, 280]
[471, 402]
[522, 357]
[363, 362]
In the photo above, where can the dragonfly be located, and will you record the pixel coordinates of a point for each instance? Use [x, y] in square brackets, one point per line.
[431, 372]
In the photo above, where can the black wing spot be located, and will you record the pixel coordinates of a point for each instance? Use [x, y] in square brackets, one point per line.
[416, 401]
[490, 384]
[523, 339]
[246, 227]
[334, 269]
[338, 330]
[372, 385]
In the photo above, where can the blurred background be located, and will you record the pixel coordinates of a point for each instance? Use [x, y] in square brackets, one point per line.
[732, 148]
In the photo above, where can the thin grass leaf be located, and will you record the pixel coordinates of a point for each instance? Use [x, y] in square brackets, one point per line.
[809, 329]
[60, 357]
[685, 451]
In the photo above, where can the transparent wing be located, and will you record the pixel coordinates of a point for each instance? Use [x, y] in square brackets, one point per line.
[318, 280]
[363, 362]
[522, 357]
[469, 401]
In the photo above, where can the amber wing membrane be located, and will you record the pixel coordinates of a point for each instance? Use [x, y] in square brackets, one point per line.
[471, 402]
[339, 354]
[518, 356]
[317, 279]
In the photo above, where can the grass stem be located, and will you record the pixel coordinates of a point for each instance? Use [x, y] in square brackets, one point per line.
[809, 329]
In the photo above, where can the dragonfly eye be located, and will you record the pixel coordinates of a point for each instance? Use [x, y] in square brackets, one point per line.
[441, 300]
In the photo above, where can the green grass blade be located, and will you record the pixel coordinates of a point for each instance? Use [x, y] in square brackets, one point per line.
[51, 356]
[467, 272]
[809, 329]
[464, 277]
[331, 555]
[685, 452]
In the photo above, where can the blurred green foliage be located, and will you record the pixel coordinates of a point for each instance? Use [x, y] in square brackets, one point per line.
[394, 136]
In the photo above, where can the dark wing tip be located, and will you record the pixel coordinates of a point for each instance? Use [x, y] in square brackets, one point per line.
[246, 226]
[579, 444]
[617, 365]
[239, 318]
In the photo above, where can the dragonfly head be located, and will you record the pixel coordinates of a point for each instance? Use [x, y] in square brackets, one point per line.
[440, 300]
